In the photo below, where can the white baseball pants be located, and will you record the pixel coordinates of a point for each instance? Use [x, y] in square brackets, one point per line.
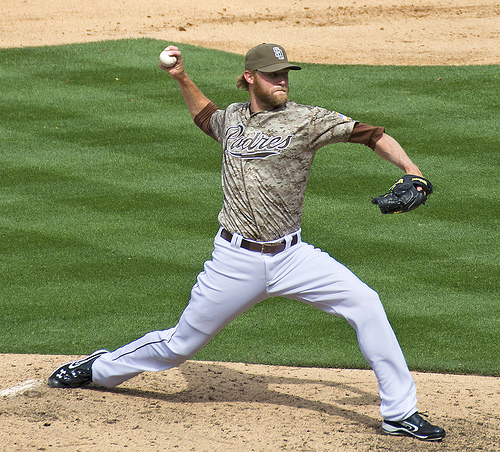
[235, 280]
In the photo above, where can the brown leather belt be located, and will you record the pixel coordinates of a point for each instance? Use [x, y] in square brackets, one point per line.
[266, 248]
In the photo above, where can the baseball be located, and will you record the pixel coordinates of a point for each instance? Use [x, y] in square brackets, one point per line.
[167, 60]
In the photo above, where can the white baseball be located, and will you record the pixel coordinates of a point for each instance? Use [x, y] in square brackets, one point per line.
[167, 60]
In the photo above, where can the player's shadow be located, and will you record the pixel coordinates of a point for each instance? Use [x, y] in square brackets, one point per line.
[207, 382]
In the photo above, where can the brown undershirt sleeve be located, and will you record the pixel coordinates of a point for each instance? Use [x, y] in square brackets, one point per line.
[366, 134]
[202, 119]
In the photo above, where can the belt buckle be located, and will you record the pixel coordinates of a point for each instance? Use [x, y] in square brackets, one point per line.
[272, 248]
[266, 248]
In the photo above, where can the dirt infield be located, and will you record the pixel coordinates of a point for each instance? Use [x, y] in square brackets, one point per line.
[419, 32]
[204, 406]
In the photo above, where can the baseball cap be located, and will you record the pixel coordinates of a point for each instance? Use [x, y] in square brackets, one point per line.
[268, 58]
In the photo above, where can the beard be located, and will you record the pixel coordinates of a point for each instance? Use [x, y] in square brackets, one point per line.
[274, 99]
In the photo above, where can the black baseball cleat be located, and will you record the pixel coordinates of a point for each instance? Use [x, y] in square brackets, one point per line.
[415, 426]
[75, 374]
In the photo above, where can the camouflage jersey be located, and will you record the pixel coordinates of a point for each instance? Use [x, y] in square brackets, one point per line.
[266, 163]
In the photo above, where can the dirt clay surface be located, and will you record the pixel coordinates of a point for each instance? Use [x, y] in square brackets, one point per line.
[204, 406]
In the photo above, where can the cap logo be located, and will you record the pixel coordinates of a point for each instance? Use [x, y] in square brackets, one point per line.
[278, 53]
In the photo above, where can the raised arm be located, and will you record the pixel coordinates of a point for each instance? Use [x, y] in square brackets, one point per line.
[195, 99]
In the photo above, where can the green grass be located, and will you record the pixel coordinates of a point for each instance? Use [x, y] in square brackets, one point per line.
[109, 198]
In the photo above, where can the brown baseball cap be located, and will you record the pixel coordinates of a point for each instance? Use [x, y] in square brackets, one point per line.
[268, 58]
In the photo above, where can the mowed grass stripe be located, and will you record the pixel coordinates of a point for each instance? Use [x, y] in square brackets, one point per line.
[109, 198]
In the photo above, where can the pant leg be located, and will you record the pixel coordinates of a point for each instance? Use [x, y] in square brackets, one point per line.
[232, 282]
[155, 351]
[314, 277]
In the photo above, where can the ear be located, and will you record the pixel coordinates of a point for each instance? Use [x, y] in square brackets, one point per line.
[249, 77]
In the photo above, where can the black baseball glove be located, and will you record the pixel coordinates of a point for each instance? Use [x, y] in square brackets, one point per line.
[404, 196]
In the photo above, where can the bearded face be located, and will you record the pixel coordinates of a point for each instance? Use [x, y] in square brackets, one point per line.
[271, 89]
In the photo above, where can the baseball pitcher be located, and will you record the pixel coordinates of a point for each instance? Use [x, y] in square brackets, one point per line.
[268, 145]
